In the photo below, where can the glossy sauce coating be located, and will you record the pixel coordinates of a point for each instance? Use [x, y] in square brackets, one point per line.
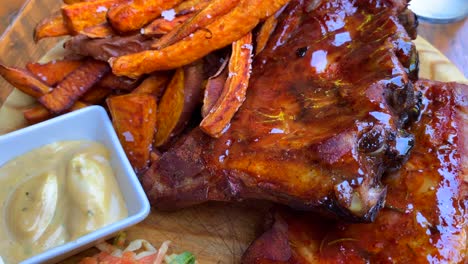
[424, 219]
[322, 121]
[317, 120]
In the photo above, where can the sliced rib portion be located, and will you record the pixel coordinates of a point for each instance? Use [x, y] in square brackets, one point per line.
[322, 121]
[425, 217]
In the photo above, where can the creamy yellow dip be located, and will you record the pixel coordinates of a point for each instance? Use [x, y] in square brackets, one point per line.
[55, 194]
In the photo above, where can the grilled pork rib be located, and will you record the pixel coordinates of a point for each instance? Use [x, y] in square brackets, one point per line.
[321, 123]
[425, 216]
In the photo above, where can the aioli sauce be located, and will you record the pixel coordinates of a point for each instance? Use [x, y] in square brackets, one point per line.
[55, 194]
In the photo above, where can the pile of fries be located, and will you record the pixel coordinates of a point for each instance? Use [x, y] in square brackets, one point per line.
[156, 63]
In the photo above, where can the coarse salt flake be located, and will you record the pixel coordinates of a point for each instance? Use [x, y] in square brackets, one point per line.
[169, 15]
[128, 136]
[247, 46]
[101, 9]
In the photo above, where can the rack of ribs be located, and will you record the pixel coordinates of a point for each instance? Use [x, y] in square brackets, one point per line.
[324, 117]
[425, 218]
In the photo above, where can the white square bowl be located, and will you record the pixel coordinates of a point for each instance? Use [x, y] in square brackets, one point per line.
[91, 123]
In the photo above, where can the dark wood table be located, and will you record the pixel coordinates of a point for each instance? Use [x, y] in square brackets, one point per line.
[450, 39]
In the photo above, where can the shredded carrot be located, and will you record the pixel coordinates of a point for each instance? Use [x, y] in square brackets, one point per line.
[137, 252]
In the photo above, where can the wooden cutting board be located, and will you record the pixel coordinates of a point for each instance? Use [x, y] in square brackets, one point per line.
[214, 232]
[219, 233]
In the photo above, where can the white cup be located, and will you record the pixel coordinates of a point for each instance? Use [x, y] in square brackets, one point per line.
[440, 11]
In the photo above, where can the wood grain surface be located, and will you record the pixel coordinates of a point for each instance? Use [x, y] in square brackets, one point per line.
[214, 232]
[450, 39]
[17, 46]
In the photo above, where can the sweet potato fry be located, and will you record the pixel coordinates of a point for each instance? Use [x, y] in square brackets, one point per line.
[70, 89]
[191, 6]
[170, 108]
[53, 26]
[178, 103]
[114, 82]
[105, 48]
[154, 84]
[201, 19]
[81, 15]
[162, 26]
[96, 95]
[53, 72]
[225, 30]
[136, 14]
[99, 31]
[39, 113]
[24, 81]
[36, 114]
[134, 118]
[233, 94]
[78, 105]
[265, 32]
[214, 87]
